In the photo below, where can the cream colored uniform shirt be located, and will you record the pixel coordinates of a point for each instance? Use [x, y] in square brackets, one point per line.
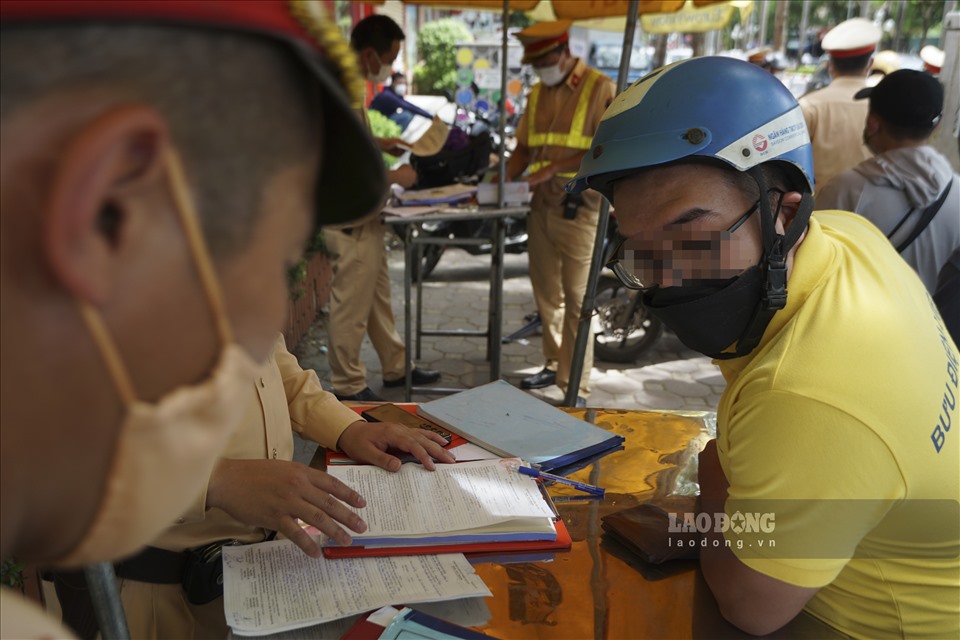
[22, 619]
[287, 397]
[835, 122]
[283, 397]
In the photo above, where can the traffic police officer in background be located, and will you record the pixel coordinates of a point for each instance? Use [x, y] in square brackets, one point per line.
[360, 291]
[834, 118]
[563, 112]
[933, 58]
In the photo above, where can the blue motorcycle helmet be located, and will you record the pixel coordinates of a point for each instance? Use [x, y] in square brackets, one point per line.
[712, 107]
[725, 110]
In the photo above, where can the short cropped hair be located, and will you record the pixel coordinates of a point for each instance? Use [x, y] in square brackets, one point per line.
[900, 132]
[376, 31]
[854, 65]
[239, 107]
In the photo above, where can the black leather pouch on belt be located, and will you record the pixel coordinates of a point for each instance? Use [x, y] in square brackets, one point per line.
[571, 202]
[199, 570]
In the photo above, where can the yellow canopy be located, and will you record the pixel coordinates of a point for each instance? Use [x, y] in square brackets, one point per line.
[579, 10]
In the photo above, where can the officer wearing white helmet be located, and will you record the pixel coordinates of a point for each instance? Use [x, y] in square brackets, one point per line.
[933, 58]
[834, 119]
[832, 486]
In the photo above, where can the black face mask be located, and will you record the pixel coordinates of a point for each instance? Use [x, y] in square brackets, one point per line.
[708, 318]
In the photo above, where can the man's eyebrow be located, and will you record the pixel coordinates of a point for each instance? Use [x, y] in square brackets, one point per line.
[690, 215]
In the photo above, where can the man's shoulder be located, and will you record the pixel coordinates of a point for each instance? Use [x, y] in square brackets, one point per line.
[602, 78]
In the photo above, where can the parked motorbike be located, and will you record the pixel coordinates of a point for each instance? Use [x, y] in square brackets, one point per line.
[470, 151]
[625, 330]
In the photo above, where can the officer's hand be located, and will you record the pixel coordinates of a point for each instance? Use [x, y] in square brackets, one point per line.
[368, 442]
[273, 493]
[404, 175]
[393, 146]
[540, 176]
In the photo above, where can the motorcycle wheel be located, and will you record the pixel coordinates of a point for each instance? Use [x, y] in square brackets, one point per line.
[626, 331]
[429, 260]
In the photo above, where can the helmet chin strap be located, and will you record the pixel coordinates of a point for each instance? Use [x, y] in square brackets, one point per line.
[773, 264]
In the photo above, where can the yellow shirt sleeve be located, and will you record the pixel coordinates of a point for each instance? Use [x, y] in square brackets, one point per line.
[315, 414]
[807, 483]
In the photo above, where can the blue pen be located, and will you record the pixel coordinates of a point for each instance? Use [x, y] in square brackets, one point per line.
[587, 488]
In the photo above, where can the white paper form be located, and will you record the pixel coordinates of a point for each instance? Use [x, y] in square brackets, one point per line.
[466, 612]
[455, 497]
[274, 586]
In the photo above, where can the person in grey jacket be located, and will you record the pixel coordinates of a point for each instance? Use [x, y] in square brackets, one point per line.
[906, 175]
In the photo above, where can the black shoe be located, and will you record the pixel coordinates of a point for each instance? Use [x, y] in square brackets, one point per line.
[539, 380]
[418, 376]
[364, 395]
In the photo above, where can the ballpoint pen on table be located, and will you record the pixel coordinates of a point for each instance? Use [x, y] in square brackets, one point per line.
[536, 473]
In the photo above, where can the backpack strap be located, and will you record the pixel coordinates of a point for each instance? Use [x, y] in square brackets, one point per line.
[924, 220]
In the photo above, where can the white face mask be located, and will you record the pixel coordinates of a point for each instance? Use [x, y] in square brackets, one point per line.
[165, 451]
[551, 76]
[380, 76]
[400, 89]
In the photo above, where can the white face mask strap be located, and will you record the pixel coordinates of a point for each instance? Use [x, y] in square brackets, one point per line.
[109, 352]
[198, 248]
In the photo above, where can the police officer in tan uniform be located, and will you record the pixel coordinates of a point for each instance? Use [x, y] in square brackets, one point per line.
[563, 112]
[834, 118]
[360, 291]
[249, 495]
[933, 58]
[149, 212]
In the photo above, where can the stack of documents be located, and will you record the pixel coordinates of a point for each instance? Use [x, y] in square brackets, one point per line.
[273, 586]
[468, 507]
[449, 194]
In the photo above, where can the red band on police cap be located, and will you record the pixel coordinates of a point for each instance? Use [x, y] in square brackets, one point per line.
[543, 46]
[271, 16]
[852, 53]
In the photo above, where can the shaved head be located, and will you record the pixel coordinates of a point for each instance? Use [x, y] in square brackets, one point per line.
[239, 108]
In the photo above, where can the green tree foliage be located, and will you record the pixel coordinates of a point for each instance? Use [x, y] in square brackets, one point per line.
[437, 42]
[11, 573]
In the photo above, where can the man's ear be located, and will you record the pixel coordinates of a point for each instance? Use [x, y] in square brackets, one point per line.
[789, 205]
[103, 167]
[872, 125]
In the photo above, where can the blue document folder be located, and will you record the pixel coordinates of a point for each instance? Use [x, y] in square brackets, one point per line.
[509, 422]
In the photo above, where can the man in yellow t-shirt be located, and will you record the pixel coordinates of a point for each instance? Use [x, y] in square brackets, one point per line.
[833, 486]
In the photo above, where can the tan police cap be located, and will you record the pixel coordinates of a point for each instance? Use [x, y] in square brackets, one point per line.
[851, 38]
[543, 37]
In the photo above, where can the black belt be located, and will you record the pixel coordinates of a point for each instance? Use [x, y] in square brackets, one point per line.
[156, 566]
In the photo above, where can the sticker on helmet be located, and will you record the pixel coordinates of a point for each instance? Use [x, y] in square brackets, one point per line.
[769, 141]
[633, 94]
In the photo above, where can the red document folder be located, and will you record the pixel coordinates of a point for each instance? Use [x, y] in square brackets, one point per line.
[562, 543]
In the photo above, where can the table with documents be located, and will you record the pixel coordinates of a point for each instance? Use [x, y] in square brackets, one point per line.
[600, 589]
[413, 242]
